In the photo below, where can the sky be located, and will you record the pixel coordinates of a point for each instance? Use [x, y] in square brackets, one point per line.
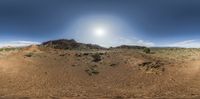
[165, 23]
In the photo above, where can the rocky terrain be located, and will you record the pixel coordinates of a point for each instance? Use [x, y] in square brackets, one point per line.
[70, 45]
[67, 69]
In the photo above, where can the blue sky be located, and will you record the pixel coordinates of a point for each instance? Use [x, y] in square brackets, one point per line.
[132, 22]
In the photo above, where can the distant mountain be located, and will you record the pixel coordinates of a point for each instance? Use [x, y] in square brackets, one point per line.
[130, 47]
[70, 44]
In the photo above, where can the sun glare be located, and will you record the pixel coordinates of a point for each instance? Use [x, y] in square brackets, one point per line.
[104, 30]
[99, 32]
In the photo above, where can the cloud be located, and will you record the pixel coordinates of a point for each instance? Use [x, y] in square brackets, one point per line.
[145, 43]
[17, 43]
[185, 44]
[134, 41]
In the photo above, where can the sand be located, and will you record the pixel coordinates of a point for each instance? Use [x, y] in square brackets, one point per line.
[37, 72]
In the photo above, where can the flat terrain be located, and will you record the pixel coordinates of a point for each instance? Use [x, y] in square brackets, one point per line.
[39, 72]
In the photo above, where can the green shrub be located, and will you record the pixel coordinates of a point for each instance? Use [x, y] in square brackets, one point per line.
[147, 50]
[96, 57]
[92, 71]
[113, 65]
[29, 54]
[8, 49]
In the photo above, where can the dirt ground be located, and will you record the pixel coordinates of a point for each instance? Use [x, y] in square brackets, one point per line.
[37, 72]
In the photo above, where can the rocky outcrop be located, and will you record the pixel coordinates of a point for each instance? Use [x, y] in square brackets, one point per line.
[69, 44]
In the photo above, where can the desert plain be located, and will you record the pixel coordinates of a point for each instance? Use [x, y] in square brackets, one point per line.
[65, 69]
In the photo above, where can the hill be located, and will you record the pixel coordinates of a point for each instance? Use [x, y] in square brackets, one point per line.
[70, 44]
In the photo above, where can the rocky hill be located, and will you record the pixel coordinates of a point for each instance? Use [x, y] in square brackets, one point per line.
[70, 44]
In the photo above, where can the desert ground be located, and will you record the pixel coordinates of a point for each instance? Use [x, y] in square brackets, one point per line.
[118, 73]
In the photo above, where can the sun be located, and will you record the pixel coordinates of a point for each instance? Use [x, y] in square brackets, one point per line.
[99, 32]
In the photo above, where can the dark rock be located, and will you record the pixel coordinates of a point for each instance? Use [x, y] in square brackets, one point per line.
[70, 45]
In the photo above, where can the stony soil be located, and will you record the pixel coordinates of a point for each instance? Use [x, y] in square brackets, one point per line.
[37, 72]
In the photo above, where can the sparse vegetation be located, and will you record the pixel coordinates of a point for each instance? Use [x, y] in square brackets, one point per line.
[147, 50]
[157, 65]
[78, 55]
[62, 54]
[113, 65]
[96, 57]
[118, 71]
[85, 54]
[73, 65]
[8, 49]
[92, 70]
[29, 54]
